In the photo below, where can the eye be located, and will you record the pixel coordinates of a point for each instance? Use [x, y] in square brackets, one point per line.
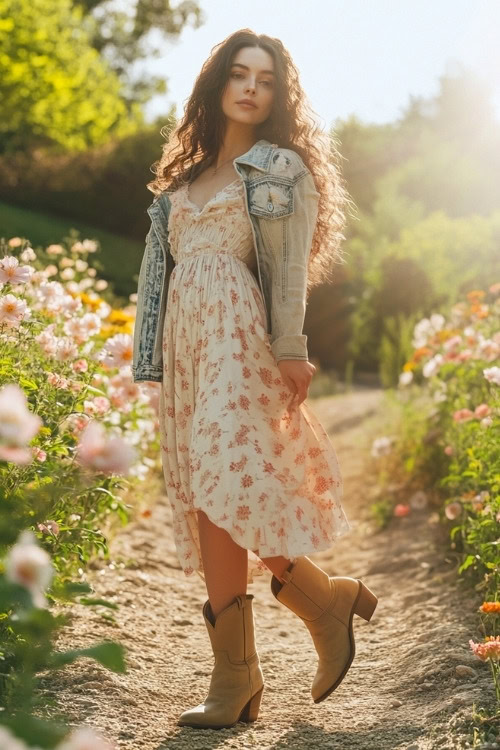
[235, 75]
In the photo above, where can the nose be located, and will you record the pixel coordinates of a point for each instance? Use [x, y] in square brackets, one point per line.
[250, 87]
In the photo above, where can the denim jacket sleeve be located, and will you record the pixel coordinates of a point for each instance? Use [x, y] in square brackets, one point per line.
[292, 237]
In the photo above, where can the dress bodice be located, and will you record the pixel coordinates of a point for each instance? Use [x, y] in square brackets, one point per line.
[222, 225]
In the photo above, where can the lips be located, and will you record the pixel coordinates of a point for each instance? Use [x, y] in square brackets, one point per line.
[247, 102]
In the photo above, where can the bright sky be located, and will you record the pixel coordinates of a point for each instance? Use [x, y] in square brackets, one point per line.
[363, 57]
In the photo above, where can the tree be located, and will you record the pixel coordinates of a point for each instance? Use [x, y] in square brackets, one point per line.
[54, 86]
[122, 36]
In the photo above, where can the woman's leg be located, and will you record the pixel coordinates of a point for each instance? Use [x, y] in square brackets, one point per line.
[225, 564]
[277, 565]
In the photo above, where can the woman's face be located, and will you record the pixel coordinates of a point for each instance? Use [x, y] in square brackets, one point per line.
[250, 77]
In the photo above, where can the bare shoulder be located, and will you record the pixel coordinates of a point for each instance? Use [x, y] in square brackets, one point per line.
[287, 162]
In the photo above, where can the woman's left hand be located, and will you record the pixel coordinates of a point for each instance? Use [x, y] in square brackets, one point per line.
[297, 374]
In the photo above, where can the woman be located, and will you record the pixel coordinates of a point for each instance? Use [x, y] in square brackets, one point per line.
[240, 233]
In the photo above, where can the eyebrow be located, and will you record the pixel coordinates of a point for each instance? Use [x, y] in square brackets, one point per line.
[271, 72]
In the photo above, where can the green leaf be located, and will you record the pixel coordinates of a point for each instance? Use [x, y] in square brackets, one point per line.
[109, 654]
[91, 602]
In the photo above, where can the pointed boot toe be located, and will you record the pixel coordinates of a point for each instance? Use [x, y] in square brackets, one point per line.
[326, 606]
[236, 683]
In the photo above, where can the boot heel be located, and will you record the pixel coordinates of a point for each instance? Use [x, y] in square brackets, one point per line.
[251, 710]
[366, 602]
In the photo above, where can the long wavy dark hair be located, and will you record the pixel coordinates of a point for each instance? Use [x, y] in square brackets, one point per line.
[195, 141]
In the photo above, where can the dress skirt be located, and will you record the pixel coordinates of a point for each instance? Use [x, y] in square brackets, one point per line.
[234, 443]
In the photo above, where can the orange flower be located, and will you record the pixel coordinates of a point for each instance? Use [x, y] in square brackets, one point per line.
[490, 608]
[475, 294]
[408, 366]
[423, 351]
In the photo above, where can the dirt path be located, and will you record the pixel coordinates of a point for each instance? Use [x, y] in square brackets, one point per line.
[401, 692]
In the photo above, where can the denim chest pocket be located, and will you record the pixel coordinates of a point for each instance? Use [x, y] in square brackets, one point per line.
[271, 199]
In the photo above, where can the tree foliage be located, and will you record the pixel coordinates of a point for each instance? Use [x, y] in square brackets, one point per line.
[54, 87]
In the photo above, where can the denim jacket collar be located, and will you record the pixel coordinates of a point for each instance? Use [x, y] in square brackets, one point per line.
[258, 156]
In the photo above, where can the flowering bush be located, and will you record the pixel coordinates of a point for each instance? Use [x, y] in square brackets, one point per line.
[73, 424]
[445, 442]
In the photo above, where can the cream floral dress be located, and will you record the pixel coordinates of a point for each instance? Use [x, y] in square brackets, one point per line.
[233, 443]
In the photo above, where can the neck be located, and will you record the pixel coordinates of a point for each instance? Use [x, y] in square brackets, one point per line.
[237, 140]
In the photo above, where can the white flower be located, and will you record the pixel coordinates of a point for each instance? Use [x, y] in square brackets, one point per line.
[118, 351]
[13, 310]
[381, 446]
[100, 453]
[426, 328]
[11, 271]
[418, 500]
[17, 424]
[9, 742]
[492, 375]
[432, 366]
[405, 377]
[486, 422]
[29, 565]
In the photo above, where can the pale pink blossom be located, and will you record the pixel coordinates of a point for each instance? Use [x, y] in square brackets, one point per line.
[39, 454]
[67, 273]
[489, 649]
[17, 424]
[486, 422]
[452, 343]
[99, 405]
[28, 255]
[418, 501]
[50, 270]
[54, 250]
[495, 288]
[401, 510]
[11, 272]
[482, 410]
[29, 565]
[76, 386]
[80, 365]
[449, 450]
[66, 349]
[9, 741]
[58, 381]
[86, 246]
[15, 242]
[465, 355]
[47, 340]
[453, 510]
[49, 527]
[75, 423]
[489, 349]
[381, 446]
[13, 310]
[117, 351]
[492, 375]
[50, 294]
[463, 415]
[103, 454]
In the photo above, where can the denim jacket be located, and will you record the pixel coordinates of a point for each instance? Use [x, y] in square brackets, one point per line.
[282, 203]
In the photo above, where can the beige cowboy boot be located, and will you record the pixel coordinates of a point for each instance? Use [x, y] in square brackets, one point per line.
[326, 606]
[237, 682]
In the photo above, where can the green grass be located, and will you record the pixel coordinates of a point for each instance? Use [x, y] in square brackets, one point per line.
[120, 256]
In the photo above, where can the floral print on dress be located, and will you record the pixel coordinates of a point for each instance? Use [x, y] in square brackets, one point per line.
[233, 442]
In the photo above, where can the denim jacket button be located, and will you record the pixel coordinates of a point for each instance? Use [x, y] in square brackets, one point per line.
[270, 206]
